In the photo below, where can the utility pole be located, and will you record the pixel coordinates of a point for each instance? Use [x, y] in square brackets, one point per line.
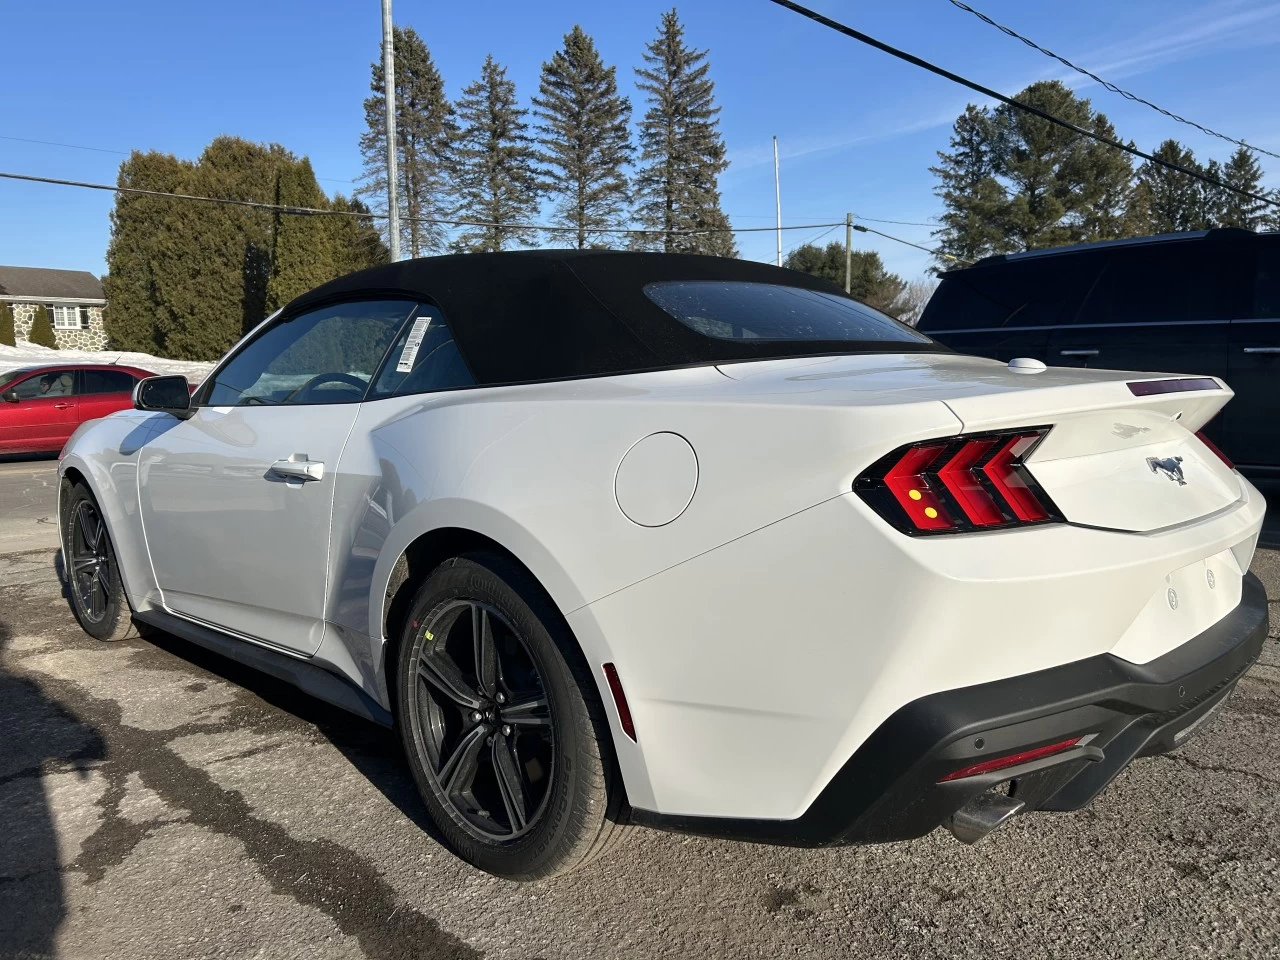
[848, 253]
[389, 107]
[777, 191]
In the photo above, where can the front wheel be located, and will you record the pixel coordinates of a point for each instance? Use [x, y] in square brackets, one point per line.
[501, 723]
[92, 573]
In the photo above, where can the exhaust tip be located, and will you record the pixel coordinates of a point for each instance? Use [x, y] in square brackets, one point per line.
[983, 814]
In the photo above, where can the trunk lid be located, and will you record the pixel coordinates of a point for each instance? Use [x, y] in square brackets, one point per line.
[1112, 459]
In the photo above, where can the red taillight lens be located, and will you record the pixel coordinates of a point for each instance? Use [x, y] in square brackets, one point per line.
[1213, 448]
[958, 484]
[1010, 760]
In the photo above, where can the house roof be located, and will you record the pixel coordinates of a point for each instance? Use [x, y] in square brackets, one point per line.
[37, 282]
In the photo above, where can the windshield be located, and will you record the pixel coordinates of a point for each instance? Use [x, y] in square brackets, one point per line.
[12, 376]
[765, 311]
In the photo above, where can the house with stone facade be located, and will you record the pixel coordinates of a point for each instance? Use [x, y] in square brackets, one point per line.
[73, 298]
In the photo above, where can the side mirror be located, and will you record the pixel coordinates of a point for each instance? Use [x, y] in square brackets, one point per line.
[164, 395]
[9, 396]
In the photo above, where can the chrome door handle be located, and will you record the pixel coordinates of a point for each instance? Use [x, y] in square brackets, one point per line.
[1078, 353]
[62, 406]
[298, 469]
[1262, 349]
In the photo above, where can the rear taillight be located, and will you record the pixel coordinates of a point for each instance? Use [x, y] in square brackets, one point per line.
[959, 484]
[1011, 760]
[1213, 448]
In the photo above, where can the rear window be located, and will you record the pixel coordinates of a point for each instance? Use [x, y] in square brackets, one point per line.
[733, 310]
[1014, 294]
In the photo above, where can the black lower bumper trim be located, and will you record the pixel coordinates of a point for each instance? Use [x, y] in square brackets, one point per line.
[889, 790]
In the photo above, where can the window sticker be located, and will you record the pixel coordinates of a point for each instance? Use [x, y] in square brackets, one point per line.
[411, 345]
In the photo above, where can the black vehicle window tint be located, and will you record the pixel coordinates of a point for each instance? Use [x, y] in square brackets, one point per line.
[423, 359]
[1164, 283]
[1267, 284]
[59, 383]
[324, 356]
[106, 381]
[764, 311]
[1026, 293]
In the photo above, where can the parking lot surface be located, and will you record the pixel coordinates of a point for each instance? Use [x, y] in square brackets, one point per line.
[158, 801]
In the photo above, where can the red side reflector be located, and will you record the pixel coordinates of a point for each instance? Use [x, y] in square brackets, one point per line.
[1148, 388]
[1011, 760]
[620, 700]
[1213, 448]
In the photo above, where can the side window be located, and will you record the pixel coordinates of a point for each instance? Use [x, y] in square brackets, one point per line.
[423, 359]
[59, 383]
[328, 355]
[1267, 284]
[106, 381]
[1165, 283]
[1031, 293]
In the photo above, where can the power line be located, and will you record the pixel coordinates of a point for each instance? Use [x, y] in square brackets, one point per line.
[1028, 108]
[1107, 84]
[318, 212]
[901, 223]
[888, 236]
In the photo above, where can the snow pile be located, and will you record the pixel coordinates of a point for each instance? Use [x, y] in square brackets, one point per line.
[31, 355]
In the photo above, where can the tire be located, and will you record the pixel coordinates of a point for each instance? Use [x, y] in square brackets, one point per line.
[543, 795]
[94, 588]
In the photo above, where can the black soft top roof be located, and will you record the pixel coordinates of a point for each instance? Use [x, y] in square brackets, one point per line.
[522, 316]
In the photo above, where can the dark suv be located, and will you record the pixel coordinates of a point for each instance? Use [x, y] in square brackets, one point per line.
[1197, 303]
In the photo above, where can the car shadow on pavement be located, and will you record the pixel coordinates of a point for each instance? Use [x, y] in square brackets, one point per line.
[371, 749]
[40, 737]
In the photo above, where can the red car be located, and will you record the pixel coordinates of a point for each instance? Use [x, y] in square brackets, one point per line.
[40, 407]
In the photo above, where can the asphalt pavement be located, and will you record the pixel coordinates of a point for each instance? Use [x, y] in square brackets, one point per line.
[158, 801]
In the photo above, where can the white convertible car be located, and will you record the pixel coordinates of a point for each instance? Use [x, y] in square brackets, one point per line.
[689, 542]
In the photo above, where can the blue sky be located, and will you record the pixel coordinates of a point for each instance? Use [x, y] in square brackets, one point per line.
[857, 129]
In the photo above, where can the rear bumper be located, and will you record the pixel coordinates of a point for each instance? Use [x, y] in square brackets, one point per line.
[889, 790]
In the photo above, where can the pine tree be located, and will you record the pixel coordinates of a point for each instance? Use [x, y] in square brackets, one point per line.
[8, 336]
[682, 154]
[356, 241]
[1243, 172]
[302, 255]
[1166, 201]
[969, 191]
[1103, 178]
[136, 247]
[496, 174]
[42, 330]
[584, 139]
[425, 132]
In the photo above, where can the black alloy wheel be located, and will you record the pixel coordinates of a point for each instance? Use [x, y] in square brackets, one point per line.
[90, 569]
[502, 723]
[485, 719]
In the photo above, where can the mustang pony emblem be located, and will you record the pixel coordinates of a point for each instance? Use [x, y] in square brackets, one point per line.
[1171, 467]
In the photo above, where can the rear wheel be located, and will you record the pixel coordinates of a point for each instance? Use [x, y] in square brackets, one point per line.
[501, 723]
[93, 575]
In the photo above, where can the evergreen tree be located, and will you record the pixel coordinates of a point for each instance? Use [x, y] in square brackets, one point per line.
[869, 282]
[584, 139]
[211, 283]
[136, 245]
[1166, 201]
[302, 254]
[8, 337]
[356, 241]
[682, 154]
[496, 175]
[1013, 181]
[972, 196]
[1243, 172]
[42, 330]
[425, 132]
